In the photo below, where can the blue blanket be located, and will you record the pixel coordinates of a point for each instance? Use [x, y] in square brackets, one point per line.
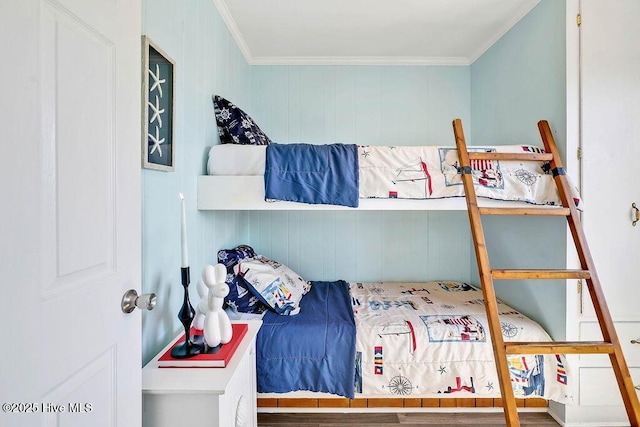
[317, 174]
[313, 350]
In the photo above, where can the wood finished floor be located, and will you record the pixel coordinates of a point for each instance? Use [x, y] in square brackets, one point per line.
[531, 419]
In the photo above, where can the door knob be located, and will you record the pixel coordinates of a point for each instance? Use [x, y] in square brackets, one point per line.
[635, 215]
[131, 300]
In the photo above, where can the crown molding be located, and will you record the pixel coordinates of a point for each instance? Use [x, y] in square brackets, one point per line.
[359, 60]
[233, 29]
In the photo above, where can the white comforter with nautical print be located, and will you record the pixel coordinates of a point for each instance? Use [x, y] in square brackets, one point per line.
[431, 172]
[431, 338]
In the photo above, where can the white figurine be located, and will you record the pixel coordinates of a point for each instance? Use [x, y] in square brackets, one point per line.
[217, 326]
[202, 307]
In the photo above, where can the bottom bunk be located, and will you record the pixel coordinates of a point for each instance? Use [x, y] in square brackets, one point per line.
[399, 345]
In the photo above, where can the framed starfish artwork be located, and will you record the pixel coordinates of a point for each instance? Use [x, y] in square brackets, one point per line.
[158, 71]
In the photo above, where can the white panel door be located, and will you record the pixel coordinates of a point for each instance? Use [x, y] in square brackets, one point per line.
[610, 37]
[610, 102]
[70, 217]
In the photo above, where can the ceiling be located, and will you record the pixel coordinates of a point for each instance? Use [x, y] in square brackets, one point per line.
[424, 32]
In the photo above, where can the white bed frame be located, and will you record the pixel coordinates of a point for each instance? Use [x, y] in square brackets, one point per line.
[246, 192]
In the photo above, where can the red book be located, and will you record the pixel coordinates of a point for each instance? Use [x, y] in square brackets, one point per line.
[219, 359]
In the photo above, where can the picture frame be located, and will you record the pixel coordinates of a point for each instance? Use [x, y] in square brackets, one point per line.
[158, 107]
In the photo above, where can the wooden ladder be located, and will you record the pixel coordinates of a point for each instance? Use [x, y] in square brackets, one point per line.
[610, 345]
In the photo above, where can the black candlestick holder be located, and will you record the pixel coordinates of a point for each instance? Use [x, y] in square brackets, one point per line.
[186, 314]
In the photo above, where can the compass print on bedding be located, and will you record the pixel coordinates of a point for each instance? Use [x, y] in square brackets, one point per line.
[400, 385]
[158, 107]
[509, 330]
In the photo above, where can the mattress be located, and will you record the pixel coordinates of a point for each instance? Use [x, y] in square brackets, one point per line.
[427, 339]
[418, 172]
[433, 338]
[235, 159]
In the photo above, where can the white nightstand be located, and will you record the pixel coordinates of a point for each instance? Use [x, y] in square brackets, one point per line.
[212, 397]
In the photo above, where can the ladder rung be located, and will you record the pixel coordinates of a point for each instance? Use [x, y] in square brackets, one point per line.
[558, 347]
[525, 211]
[540, 274]
[526, 157]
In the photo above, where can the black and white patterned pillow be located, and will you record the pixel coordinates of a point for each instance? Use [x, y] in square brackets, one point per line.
[235, 126]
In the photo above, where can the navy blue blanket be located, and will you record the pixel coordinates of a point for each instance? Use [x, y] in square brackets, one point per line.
[317, 174]
[313, 350]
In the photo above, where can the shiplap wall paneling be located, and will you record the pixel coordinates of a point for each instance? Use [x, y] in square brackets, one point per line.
[366, 246]
[367, 105]
[207, 62]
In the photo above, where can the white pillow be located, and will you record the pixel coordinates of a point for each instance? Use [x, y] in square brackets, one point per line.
[273, 283]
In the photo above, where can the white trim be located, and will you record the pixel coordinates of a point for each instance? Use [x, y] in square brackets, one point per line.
[358, 60]
[559, 419]
[591, 424]
[574, 301]
[522, 12]
[246, 192]
[572, 163]
[233, 29]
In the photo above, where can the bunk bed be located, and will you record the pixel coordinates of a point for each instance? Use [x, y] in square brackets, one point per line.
[431, 318]
[238, 178]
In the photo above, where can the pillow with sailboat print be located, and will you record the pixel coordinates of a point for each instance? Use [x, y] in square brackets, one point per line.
[239, 299]
[235, 126]
[275, 284]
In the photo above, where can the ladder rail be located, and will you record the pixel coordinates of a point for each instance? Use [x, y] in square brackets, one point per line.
[488, 291]
[584, 255]
[618, 363]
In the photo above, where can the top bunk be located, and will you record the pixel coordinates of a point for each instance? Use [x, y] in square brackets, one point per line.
[384, 178]
[248, 171]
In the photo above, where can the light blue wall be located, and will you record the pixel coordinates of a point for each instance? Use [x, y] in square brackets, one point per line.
[521, 79]
[517, 82]
[366, 246]
[208, 61]
[499, 98]
[368, 105]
